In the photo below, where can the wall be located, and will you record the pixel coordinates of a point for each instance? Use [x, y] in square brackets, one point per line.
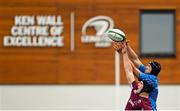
[85, 64]
[76, 97]
[62, 67]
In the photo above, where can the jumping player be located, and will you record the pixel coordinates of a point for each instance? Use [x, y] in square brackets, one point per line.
[150, 71]
[139, 99]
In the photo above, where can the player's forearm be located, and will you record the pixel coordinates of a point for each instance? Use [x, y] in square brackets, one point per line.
[133, 56]
[127, 65]
[128, 68]
[131, 53]
[136, 71]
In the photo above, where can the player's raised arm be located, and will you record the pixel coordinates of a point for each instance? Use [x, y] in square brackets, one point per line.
[127, 65]
[133, 56]
[136, 71]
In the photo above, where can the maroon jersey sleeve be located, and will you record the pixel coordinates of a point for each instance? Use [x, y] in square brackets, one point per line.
[134, 85]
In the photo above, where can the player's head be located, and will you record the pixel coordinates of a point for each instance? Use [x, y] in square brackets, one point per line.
[145, 85]
[153, 67]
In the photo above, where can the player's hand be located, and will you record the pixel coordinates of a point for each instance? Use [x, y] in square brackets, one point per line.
[127, 41]
[117, 46]
[123, 47]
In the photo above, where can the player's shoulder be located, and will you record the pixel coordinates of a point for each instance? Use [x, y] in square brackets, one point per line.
[155, 78]
[148, 75]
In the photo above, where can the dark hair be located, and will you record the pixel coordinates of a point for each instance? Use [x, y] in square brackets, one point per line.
[148, 85]
[156, 68]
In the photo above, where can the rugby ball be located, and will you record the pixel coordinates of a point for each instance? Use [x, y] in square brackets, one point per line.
[116, 35]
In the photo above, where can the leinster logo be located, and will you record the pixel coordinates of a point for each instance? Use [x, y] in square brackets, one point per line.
[100, 24]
